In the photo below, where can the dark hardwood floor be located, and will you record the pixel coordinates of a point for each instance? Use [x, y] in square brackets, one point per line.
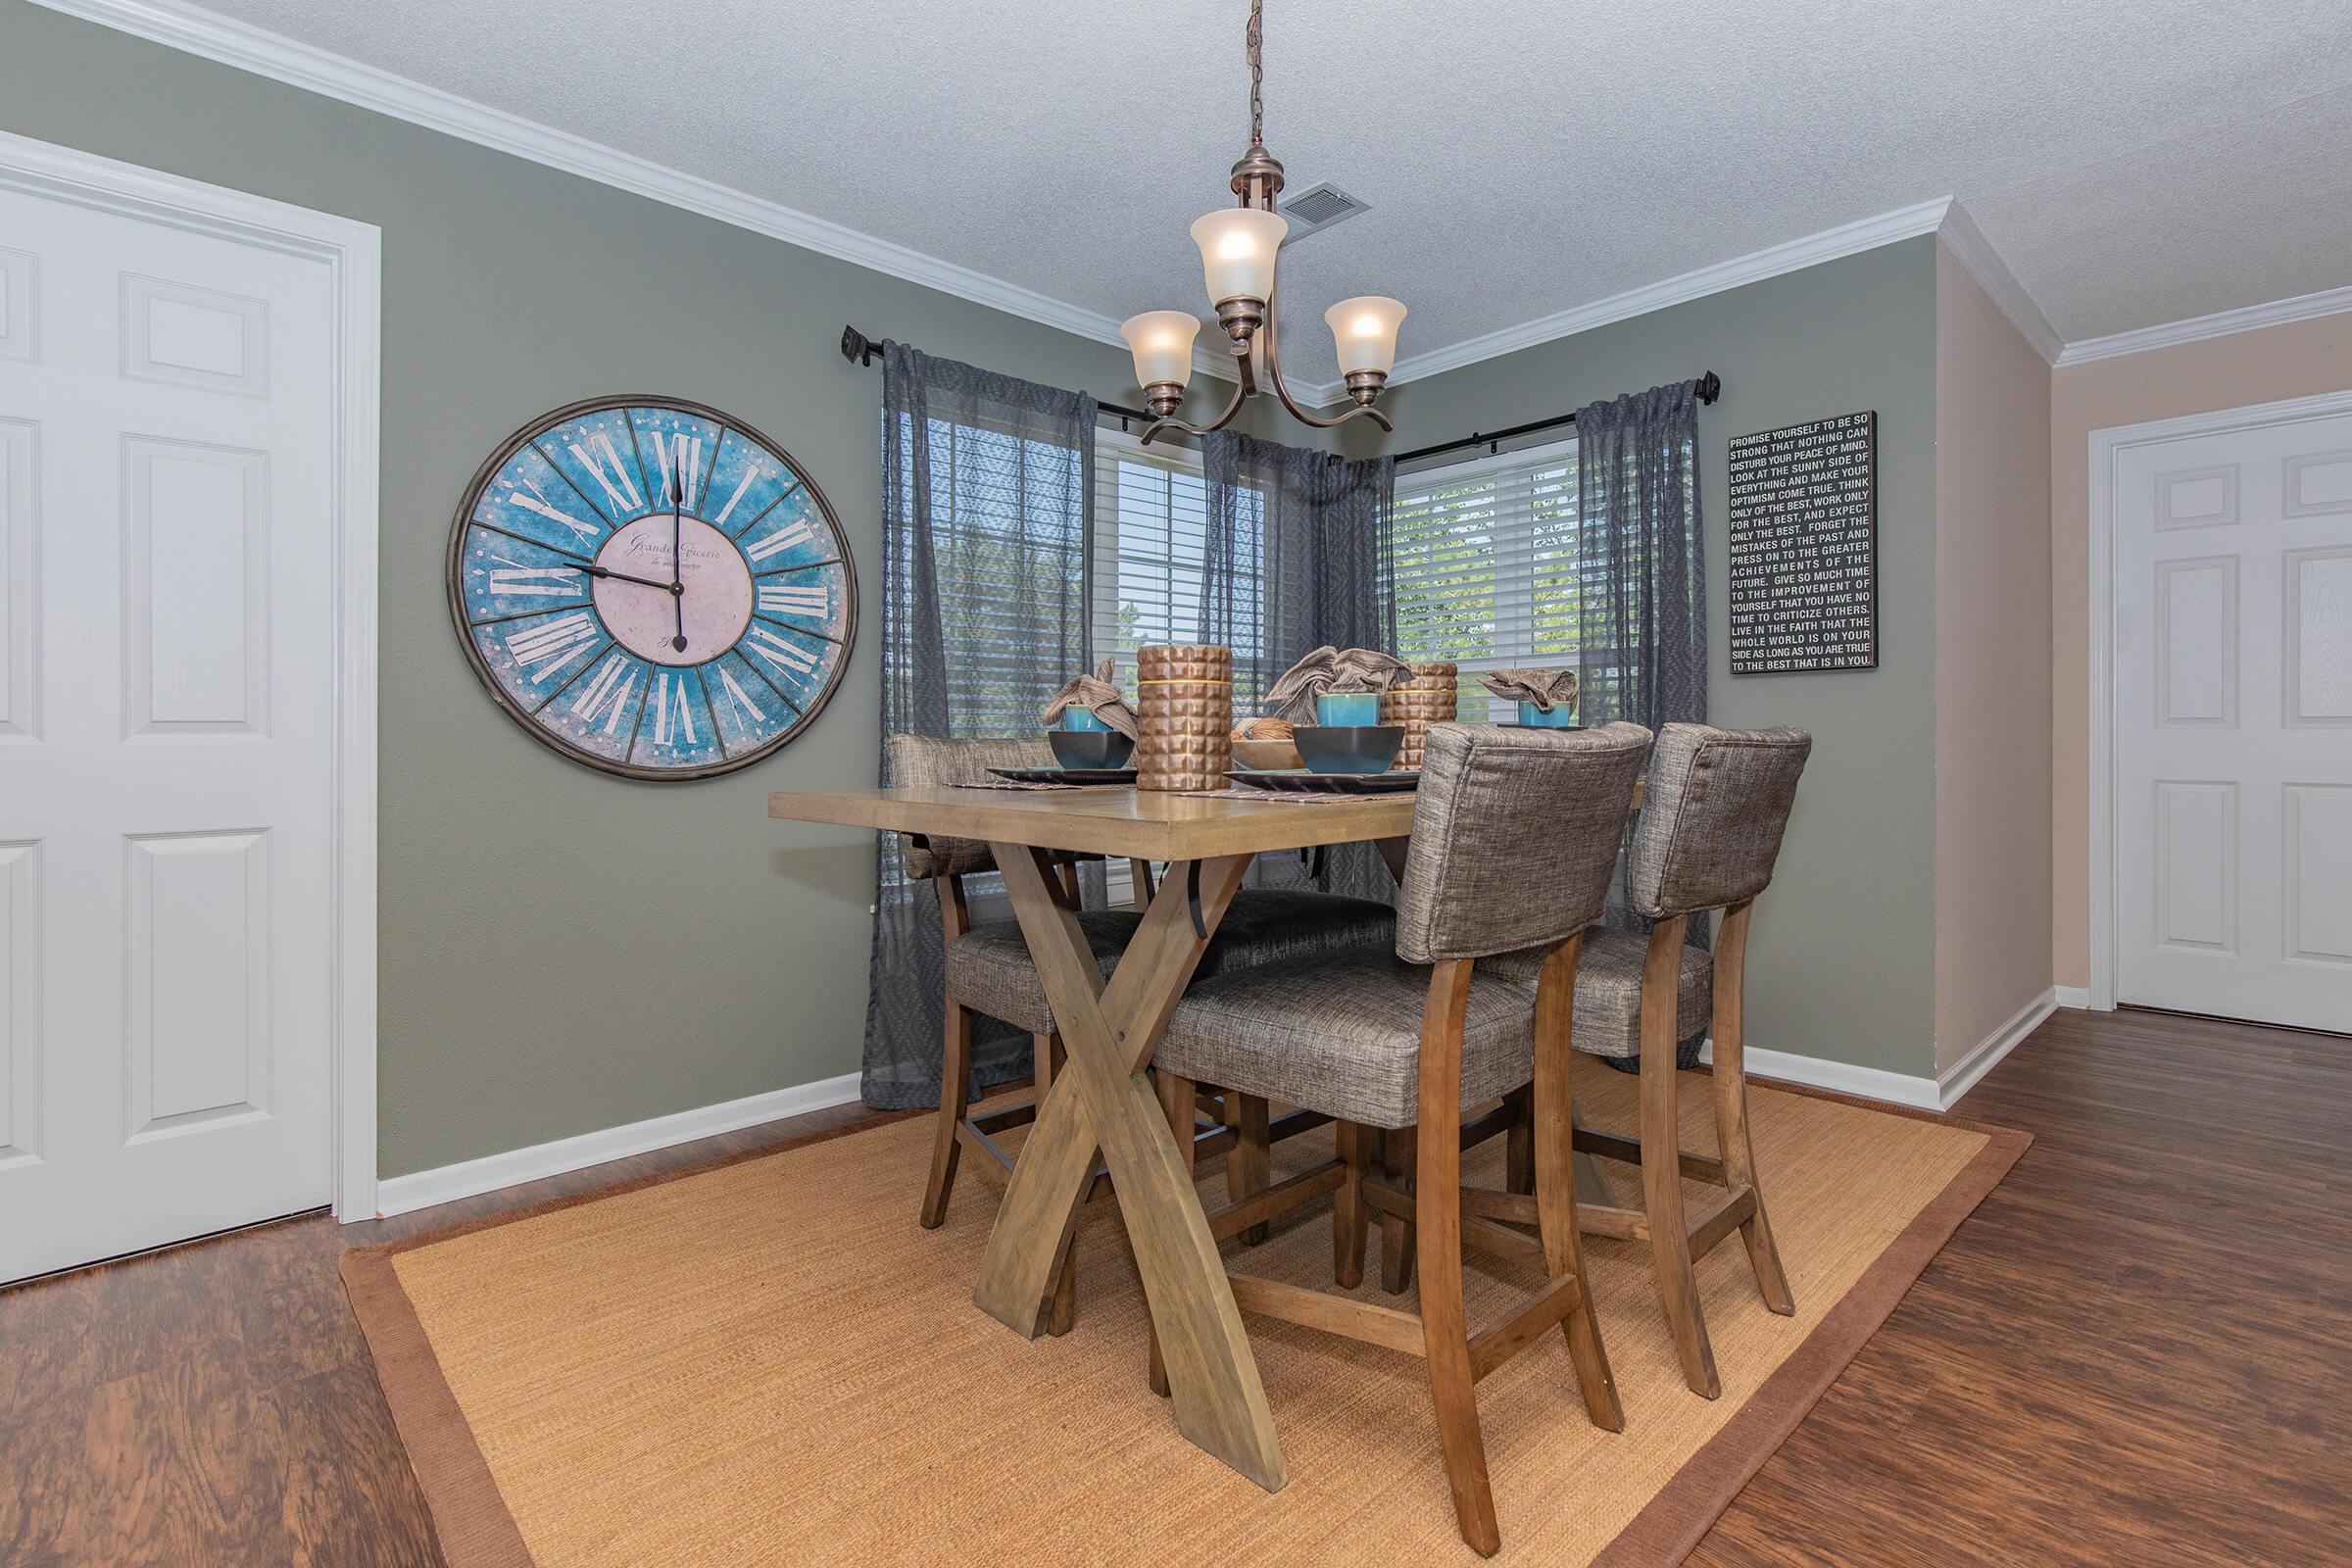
[2139, 1350]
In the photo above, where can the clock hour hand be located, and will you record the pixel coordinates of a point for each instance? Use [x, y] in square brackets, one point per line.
[594, 570]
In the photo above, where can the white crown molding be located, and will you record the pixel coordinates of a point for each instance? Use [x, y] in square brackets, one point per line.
[2278, 313]
[1979, 261]
[299, 65]
[1847, 239]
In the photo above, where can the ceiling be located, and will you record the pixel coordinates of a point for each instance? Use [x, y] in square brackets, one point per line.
[2133, 161]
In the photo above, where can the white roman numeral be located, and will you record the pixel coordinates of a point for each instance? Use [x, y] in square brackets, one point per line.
[793, 600]
[751, 476]
[740, 698]
[680, 450]
[549, 645]
[672, 712]
[606, 694]
[537, 502]
[784, 538]
[540, 582]
[625, 495]
[779, 654]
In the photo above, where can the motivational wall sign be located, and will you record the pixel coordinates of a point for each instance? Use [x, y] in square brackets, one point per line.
[1805, 547]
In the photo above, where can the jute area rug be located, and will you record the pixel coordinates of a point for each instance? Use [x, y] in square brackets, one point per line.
[767, 1361]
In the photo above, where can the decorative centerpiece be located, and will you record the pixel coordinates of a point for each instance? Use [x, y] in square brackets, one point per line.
[1340, 690]
[1426, 695]
[1546, 698]
[1089, 723]
[1184, 715]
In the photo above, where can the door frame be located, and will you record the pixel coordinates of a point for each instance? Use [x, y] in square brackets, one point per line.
[353, 254]
[2107, 449]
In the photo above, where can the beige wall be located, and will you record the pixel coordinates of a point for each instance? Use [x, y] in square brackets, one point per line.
[1992, 667]
[2299, 359]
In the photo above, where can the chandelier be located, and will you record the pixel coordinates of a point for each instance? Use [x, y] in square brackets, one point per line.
[1237, 251]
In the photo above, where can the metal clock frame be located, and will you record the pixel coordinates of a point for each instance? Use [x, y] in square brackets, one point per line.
[454, 585]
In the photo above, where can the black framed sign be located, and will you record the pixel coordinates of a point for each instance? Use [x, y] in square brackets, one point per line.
[1805, 547]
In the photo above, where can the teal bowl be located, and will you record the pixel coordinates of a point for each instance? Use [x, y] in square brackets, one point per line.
[1562, 717]
[1090, 748]
[1349, 748]
[1339, 709]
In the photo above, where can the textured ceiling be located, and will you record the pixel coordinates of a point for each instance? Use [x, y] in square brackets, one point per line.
[2134, 162]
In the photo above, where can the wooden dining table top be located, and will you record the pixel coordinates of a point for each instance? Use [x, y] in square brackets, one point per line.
[1115, 819]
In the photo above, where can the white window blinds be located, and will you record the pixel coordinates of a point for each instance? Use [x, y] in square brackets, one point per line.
[1486, 566]
[1151, 522]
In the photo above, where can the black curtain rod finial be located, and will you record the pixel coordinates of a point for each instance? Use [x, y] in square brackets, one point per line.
[1708, 387]
[857, 348]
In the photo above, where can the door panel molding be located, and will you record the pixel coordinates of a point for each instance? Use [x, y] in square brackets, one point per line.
[352, 252]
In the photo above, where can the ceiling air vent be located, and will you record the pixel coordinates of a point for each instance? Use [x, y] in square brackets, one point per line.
[1319, 206]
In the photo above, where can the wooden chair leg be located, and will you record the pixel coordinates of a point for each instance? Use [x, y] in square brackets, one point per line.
[1397, 1235]
[1437, 1244]
[1662, 1159]
[954, 1100]
[1062, 1311]
[1176, 1099]
[1552, 1131]
[1730, 1108]
[1139, 877]
[1519, 1143]
[1249, 1167]
[1347, 1207]
[1070, 884]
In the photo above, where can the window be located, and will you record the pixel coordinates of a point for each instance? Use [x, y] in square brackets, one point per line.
[1151, 528]
[1486, 566]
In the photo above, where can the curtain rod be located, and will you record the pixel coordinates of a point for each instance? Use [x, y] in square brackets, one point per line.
[860, 350]
[1709, 388]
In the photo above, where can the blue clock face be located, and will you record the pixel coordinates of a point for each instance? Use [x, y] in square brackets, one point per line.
[652, 588]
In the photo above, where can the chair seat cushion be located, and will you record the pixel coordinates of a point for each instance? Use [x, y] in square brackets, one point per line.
[1341, 1034]
[1608, 990]
[989, 969]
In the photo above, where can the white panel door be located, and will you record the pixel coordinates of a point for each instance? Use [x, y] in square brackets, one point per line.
[2234, 723]
[167, 733]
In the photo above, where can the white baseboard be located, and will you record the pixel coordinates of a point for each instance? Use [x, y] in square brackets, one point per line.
[2071, 995]
[1839, 1077]
[1962, 1075]
[398, 1195]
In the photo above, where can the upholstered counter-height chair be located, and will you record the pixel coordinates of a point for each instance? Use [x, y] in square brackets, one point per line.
[1515, 835]
[1716, 805]
[989, 972]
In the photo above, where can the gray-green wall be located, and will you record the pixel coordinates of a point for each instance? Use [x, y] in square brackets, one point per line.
[562, 951]
[1844, 944]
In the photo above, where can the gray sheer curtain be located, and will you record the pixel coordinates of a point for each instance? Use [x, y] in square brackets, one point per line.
[987, 526]
[1641, 645]
[1299, 554]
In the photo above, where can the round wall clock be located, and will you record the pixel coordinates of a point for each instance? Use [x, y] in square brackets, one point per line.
[651, 587]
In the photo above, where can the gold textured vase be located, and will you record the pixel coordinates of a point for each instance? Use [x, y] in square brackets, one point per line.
[1427, 697]
[1184, 715]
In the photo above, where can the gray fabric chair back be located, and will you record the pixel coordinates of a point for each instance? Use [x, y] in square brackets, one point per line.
[1712, 817]
[1515, 836]
[920, 759]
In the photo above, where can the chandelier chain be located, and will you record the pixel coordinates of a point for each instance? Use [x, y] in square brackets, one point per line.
[1255, 38]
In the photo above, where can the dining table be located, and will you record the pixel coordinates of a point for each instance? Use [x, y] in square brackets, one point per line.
[1103, 1105]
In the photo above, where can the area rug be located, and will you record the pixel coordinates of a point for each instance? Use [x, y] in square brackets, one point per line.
[765, 1361]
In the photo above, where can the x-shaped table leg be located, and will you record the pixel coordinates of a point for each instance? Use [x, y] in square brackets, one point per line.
[1109, 1030]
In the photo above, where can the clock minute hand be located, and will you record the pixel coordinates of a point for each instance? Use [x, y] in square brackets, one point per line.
[677, 546]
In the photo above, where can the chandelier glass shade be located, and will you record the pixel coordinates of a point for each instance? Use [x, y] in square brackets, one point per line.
[1240, 246]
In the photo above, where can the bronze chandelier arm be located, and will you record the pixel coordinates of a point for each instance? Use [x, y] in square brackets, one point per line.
[1282, 388]
[1233, 405]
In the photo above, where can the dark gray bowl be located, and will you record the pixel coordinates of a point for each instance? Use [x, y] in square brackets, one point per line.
[1090, 748]
[1348, 748]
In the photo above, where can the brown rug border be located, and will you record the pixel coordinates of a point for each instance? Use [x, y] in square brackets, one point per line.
[475, 1530]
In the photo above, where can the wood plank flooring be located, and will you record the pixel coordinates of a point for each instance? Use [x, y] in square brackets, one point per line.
[2136, 1351]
